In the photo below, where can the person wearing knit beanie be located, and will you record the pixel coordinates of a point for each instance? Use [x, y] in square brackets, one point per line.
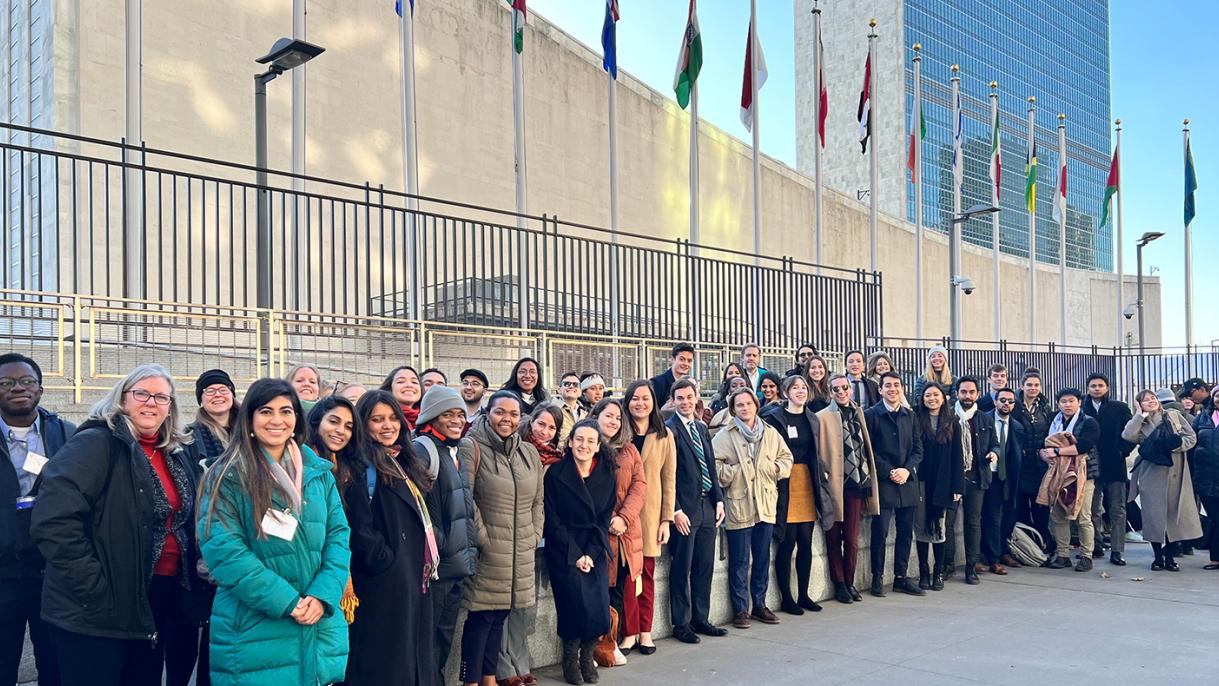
[438, 400]
[210, 378]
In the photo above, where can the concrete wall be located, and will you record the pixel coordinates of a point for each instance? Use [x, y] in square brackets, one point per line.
[198, 64]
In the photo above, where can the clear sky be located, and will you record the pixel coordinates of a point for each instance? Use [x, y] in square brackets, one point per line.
[1162, 71]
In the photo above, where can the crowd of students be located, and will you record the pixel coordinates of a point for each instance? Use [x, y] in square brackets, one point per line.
[314, 534]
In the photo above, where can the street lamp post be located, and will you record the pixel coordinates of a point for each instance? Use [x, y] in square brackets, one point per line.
[286, 54]
[1142, 243]
[955, 279]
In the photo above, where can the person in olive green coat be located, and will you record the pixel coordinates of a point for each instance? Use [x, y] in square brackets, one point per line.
[275, 540]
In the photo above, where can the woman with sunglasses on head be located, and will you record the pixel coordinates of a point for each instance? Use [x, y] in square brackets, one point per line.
[115, 522]
[272, 531]
[404, 385]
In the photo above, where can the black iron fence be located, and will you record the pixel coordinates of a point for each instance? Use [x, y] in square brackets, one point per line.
[1128, 369]
[99, 218]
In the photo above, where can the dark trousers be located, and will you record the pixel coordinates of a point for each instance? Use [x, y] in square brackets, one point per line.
[749, 566]
[1110, 497]
[797, 538]
[842, 540]
[20, 605]
[1211, 504]
[903, 517]
[92, 661]
[948, 559]
[1036, 516]
[971, 516]
[993, 541]
[446, 602]
[690, 568]
[480, 639]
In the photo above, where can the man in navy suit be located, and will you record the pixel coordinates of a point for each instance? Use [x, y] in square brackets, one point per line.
[698, 512]
[999, 504]
[681, 362]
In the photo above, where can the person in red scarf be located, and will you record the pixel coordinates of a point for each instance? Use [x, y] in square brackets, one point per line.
[542, 430]
[403, 383]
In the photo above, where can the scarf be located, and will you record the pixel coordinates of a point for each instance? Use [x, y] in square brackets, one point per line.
[288, 474]
[854, 462]
[1057, 425]
[411, 414]
[753, 437]
[431, 555]
[548, 453]
[967, 437]
[429, 430]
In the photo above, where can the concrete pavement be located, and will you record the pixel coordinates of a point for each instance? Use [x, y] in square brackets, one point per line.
[1033, 626]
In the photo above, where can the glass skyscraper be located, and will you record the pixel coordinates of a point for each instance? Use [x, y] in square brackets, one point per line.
[1055, 51]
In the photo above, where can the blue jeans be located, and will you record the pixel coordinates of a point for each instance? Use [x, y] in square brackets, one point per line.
[742, 543]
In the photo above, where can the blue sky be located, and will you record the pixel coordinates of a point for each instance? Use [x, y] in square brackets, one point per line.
[1161, 65]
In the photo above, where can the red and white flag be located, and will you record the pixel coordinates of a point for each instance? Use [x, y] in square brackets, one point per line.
[747, 108]
[864, 114]
[1060, 197]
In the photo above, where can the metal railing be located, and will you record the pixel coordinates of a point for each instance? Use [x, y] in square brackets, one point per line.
[1062, 366]
[172, 227]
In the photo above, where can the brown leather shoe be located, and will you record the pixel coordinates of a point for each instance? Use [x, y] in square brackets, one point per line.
[979, 568]
[741, 620]
[529, 679]
[511, 681]
[1011, 561]
[764, 615]
[998, 569]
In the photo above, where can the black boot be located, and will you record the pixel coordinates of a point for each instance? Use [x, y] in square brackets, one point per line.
[571, 662]
[842, 595]
[588, 666]
[937, 580]
[924, 577]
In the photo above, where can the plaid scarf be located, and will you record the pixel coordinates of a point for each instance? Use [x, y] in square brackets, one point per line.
[855, 463]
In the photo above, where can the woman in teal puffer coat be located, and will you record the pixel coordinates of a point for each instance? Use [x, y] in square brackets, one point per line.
[274, 537]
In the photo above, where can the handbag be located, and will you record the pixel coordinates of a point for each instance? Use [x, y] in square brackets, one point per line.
[1159, 446]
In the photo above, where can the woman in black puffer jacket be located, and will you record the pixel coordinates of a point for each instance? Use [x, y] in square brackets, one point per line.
[1205, 465]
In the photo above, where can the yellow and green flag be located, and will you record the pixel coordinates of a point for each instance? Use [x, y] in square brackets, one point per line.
[1030, 180]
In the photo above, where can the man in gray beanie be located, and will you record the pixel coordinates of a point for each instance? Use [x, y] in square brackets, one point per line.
[452, 462]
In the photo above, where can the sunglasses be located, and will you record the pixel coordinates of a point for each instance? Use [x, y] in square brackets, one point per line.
[841, 389]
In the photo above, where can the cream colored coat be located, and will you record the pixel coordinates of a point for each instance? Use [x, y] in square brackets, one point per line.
[660, 470]
[751, 483]
[830, 450]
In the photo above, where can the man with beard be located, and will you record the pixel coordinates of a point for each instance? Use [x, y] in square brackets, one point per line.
[473, 388]
[1112, 482]
[30, 436]
[980, 446]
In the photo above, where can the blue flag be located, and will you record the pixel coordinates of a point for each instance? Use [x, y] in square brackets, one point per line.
[1191, 184]
[609, 38]
[398, 7]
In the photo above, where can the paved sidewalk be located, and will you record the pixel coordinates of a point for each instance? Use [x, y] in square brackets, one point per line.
[1033, 626]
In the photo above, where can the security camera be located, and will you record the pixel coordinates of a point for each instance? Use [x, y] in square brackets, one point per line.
[1129, 311]
[965, 283]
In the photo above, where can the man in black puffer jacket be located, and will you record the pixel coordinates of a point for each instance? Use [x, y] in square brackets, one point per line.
[31, 436]
[450, 503]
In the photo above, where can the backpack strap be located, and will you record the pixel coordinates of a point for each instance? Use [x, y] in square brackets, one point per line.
[433, 466]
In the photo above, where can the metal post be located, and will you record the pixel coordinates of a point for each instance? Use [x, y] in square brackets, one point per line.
[1060, 197]
[872, 158]
[299, 204]
[918, 195]
[1142, 330]
[994, 219]
[1032, 236]
[954, 227]
[1189, 279]
[410, 156]
[817, 149]
[694, 168]
[133, 230]
[1121, 298]
[757, 171]
[263, 296]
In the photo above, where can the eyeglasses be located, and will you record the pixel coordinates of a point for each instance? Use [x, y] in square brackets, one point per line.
[1006, 401]
[141, 396]
[472, 382]
[27, 382]
[571, 384]
[213, 392]
[841, 389]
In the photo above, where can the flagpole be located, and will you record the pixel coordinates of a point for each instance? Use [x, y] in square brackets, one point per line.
[134, 258]
[817, 241]
[872, 166]
[410, 149]
[1060, 197]
[918, 195]
[994, 217]
[1032, 233]
[954, 227]
[612, 83]
[694, 214]
[1189, 263]
[757, 169]
[300, 237]
[518, 120]
[1117, 154]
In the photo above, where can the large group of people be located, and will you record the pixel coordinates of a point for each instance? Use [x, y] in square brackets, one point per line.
[308, 533]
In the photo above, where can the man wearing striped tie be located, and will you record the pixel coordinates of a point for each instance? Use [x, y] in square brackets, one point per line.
[699, 511]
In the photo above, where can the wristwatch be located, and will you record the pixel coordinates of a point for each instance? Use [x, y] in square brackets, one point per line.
[1057, 452]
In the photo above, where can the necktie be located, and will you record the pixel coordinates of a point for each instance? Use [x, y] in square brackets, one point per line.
[1002, 449]
[704, 473]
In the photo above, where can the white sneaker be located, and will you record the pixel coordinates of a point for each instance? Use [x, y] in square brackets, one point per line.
[1134, 537]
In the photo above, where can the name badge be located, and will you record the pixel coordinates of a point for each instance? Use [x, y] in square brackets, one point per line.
[279, 524]
[34, 463]
[792, 432]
